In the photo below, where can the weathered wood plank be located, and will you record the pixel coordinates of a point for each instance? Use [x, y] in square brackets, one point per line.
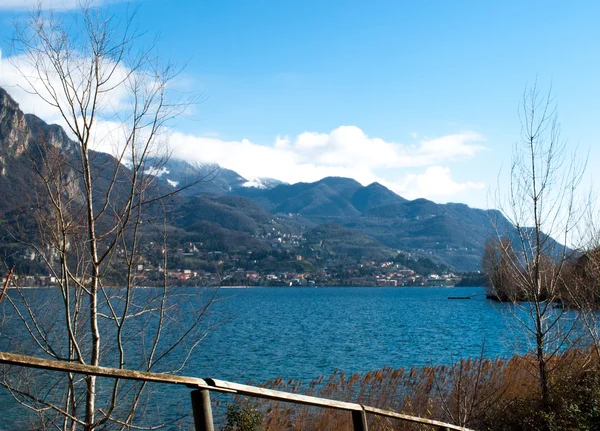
[390, 414]
[282, 396]
[72, 367]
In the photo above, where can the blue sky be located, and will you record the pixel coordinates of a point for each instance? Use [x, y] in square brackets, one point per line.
[421, 96]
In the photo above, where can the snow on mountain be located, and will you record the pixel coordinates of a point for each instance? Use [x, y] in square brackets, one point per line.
[156, 172]
[262, 183]
[256, 183]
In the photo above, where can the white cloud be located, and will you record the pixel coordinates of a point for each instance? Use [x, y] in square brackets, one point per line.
[11, 79]
[113, 123]
[435, 183]
[345, 151]
[18, 77]
[451, 146]
[254, 183]
[346, 147]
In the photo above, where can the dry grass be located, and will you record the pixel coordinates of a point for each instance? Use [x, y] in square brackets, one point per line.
[479, 393]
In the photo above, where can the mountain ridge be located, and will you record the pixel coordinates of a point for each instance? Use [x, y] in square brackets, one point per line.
[452, 234]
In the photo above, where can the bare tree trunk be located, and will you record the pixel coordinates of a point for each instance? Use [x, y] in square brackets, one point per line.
[88, 215]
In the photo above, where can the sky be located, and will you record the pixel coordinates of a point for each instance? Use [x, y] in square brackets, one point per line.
[421, 97]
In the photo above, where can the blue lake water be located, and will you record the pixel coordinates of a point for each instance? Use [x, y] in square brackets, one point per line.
[305, 332]
[302, 333]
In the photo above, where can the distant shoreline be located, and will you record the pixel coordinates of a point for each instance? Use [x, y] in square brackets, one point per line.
[266, 287]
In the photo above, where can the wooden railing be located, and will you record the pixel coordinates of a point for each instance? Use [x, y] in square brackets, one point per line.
[201, 405]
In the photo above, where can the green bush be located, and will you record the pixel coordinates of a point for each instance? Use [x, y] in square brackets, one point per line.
[244, 416]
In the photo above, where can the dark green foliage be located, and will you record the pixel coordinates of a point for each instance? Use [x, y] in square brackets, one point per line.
[374, 195]
[473, 279]
[229, 212]
[243, 416]
[321, 199]
[334, 239]
[216, 237]
[421, 265]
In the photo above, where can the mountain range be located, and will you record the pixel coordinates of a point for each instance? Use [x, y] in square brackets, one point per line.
[452, 234]
[220, 207]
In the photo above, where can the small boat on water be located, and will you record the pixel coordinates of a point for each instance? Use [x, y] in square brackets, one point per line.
[459, 297]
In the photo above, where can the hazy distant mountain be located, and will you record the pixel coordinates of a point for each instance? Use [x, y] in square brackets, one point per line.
[195, 178]
[453, 234]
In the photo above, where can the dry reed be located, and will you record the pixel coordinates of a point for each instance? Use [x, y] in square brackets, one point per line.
[478, 393]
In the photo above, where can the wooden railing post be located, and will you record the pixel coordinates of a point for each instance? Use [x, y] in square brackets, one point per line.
[359, 420]
[203, 419]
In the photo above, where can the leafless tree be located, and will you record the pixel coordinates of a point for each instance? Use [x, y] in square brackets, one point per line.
[91, 214]
[581, 286]
[542, 203]
[498, 256]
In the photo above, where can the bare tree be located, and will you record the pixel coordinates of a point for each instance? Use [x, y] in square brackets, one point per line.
[542, 203]
[581, 285]
[498, 256]
[91, 218]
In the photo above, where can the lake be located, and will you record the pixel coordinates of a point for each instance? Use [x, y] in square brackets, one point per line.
[301, 333]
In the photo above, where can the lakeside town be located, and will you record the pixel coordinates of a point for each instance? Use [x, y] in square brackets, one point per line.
[395, 277]
[218, 268]
[289, 259]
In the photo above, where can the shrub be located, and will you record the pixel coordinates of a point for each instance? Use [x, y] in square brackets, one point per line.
[243, 416]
